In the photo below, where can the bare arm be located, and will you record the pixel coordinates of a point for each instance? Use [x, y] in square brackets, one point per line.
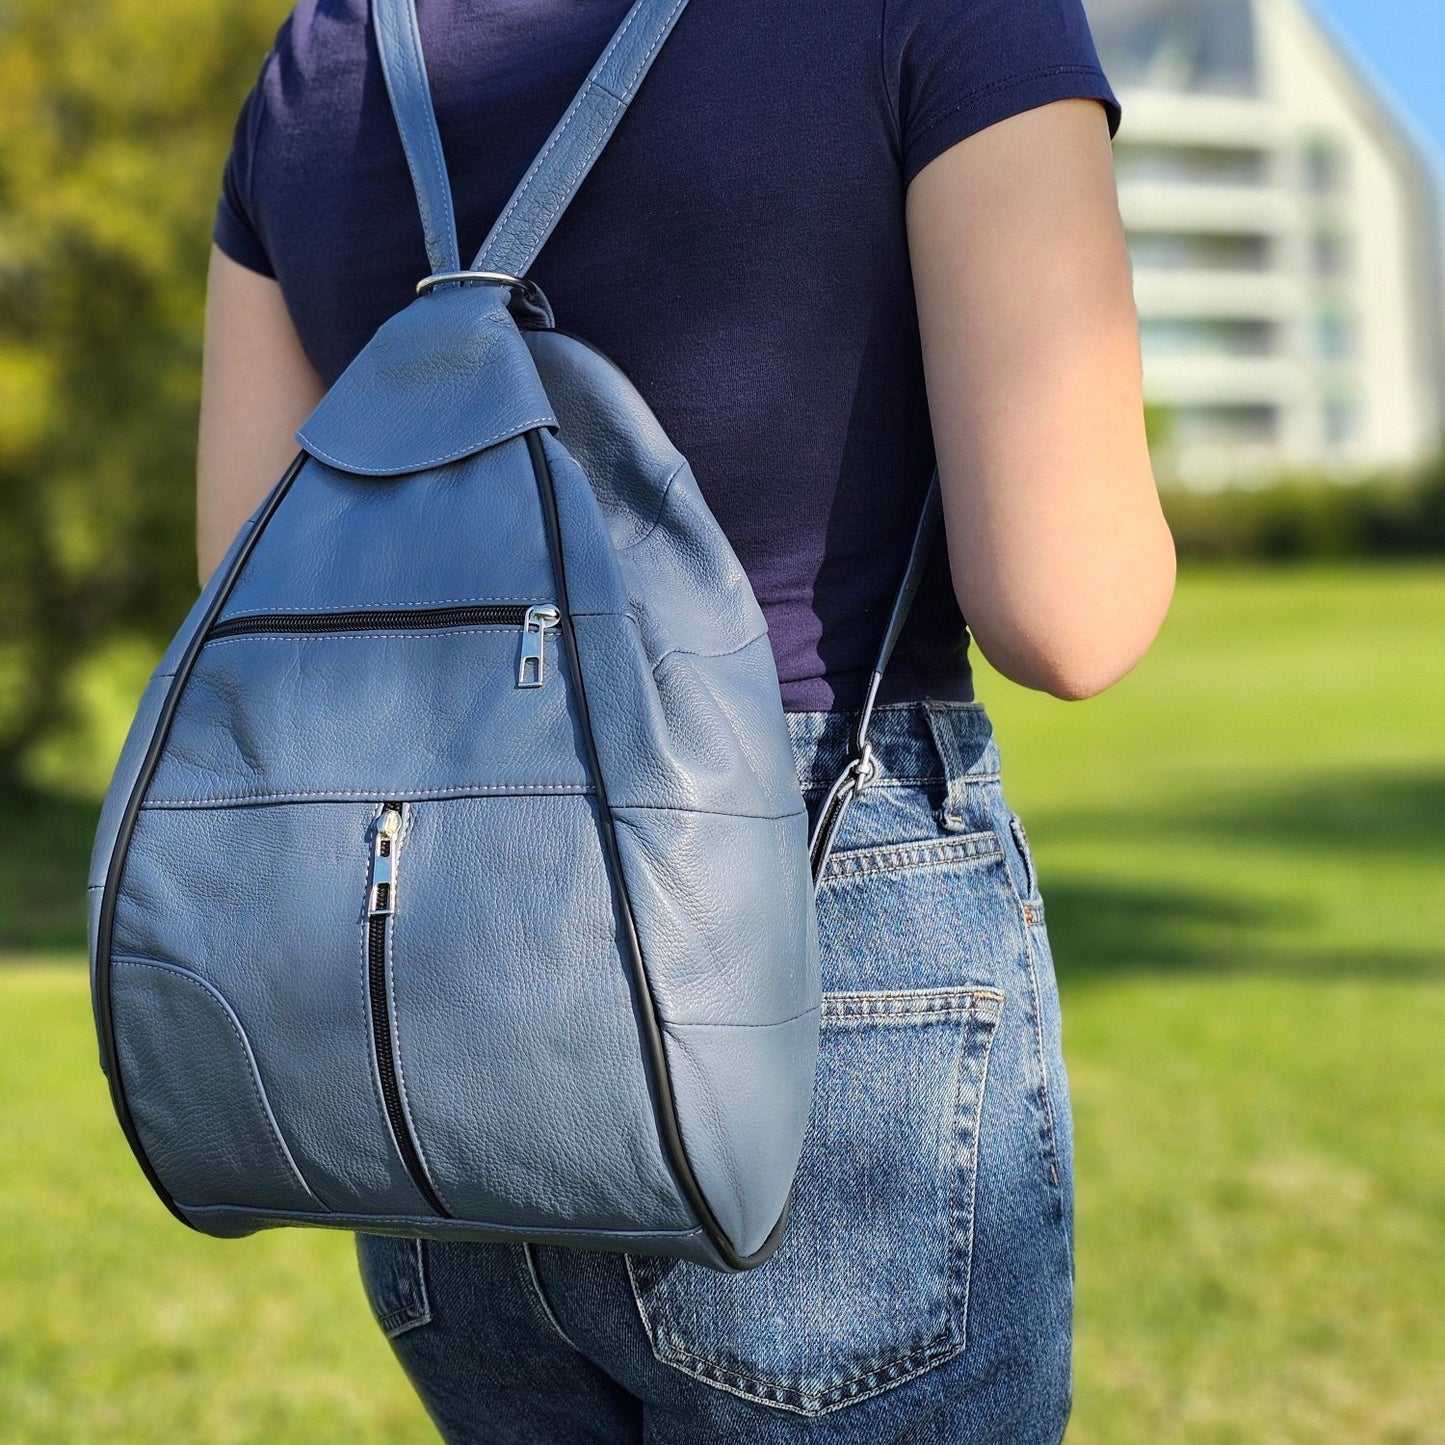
[1061, 558]
[257, 387]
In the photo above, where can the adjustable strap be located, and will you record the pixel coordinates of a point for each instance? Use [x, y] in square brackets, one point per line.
[561, 166]
[403, 67]
[861, 769]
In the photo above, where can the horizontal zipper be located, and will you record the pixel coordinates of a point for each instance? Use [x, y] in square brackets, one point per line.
[535, 619]
[392, 620]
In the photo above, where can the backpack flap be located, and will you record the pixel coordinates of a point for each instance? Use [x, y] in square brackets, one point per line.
[447, 377]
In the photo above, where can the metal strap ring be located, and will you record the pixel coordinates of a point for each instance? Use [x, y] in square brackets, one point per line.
[521, 287]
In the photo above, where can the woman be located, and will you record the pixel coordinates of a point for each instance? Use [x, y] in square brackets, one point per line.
[827, 244]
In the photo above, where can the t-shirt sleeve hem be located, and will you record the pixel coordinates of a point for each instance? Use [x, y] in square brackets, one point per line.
[1003, 99]
[235, 237]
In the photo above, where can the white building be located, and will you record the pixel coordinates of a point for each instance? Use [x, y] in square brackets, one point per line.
[1285, 239]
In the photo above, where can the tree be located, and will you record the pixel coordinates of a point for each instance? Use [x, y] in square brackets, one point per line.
[119, 120]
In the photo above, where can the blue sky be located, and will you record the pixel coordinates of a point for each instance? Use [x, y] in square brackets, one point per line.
[1403, 43]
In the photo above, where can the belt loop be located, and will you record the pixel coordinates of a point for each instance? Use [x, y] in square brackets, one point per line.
[945, 741]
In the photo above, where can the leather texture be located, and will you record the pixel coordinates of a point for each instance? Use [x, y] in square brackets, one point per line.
[403, 69]
[574, 145]
[561, 165]
[445, 378]
[384, 913]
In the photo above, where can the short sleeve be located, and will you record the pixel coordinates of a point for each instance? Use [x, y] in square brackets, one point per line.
[235, 230]
[954, 67]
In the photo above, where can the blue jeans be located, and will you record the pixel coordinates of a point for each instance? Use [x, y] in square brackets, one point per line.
[924, 1290]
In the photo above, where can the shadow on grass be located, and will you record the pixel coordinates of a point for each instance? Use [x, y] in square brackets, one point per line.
[1362, 818]
[1100, 930]
[1098, 926]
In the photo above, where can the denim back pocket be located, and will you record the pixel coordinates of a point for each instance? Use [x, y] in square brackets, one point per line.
[870, 1285]
[393, 1274]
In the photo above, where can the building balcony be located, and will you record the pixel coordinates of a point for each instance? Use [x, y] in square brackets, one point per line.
[1218, 210]
[1265, 296]
[1225, 381]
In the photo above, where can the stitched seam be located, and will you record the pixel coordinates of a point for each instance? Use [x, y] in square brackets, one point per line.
[546, 419]
[856, 862]
[887, 1373]
[1047, 1142]
[1008, 84]
[213, 996]
[661, 508]
[364, 1223]
[395, 1031]
[540, 1300]
[729, 1024]
[593, 83]
[910, 1003]
[889, 781]
[372, 794]
[348, 635]
[446, 222]
[368, 1011]
[820, 1402]
[975, 1125]
[620, 808]
[690, 652]
[429, 230]
[391, 605]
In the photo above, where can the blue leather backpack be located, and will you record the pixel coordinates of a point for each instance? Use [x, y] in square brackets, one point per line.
[454, 880]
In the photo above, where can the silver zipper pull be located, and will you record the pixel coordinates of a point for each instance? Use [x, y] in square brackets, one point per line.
[533, 664]
[381, 901]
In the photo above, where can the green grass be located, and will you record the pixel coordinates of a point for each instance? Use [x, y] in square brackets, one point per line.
[1241, 847]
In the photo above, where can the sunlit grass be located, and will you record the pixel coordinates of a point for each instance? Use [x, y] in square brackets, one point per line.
[1241, 847]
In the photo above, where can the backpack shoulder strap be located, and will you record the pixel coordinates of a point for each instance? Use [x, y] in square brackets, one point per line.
[860, 770]
[561, 166]
[403, 67]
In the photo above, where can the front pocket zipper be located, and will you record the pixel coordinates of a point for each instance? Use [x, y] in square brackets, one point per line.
[380, 906]
[536, 621]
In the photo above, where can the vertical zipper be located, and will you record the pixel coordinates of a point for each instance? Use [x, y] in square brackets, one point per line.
[380, 907]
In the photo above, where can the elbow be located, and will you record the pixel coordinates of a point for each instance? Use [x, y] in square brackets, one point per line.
[1082, 641]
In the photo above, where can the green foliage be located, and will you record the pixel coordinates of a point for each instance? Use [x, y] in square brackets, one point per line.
[1313, 517]
[120, 116]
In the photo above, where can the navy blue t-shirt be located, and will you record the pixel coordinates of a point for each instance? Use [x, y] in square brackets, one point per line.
[739, 251]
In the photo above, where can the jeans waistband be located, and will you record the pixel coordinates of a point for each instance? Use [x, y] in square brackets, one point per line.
[913, 742]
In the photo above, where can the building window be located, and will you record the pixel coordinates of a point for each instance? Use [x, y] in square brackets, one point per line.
[1192, 164]
[1325, 166]
[1341, 422]
[1228, 424]
[1329, 255]
[1166, 336]
[1188, 251]
[1334, 334]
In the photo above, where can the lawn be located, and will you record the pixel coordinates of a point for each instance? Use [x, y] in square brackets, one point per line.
[1241, 849]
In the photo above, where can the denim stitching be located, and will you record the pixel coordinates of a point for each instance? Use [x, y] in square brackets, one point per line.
[931, 853]
[533, 1286]
[974, 1005]
[418, 1312]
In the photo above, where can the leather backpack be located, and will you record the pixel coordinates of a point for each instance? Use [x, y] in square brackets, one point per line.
[454, 880]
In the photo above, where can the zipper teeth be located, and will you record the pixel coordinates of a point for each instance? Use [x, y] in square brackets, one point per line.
[508, 615]
[381, 1030]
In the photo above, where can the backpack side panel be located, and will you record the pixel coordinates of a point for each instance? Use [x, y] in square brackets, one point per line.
[699, 777]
